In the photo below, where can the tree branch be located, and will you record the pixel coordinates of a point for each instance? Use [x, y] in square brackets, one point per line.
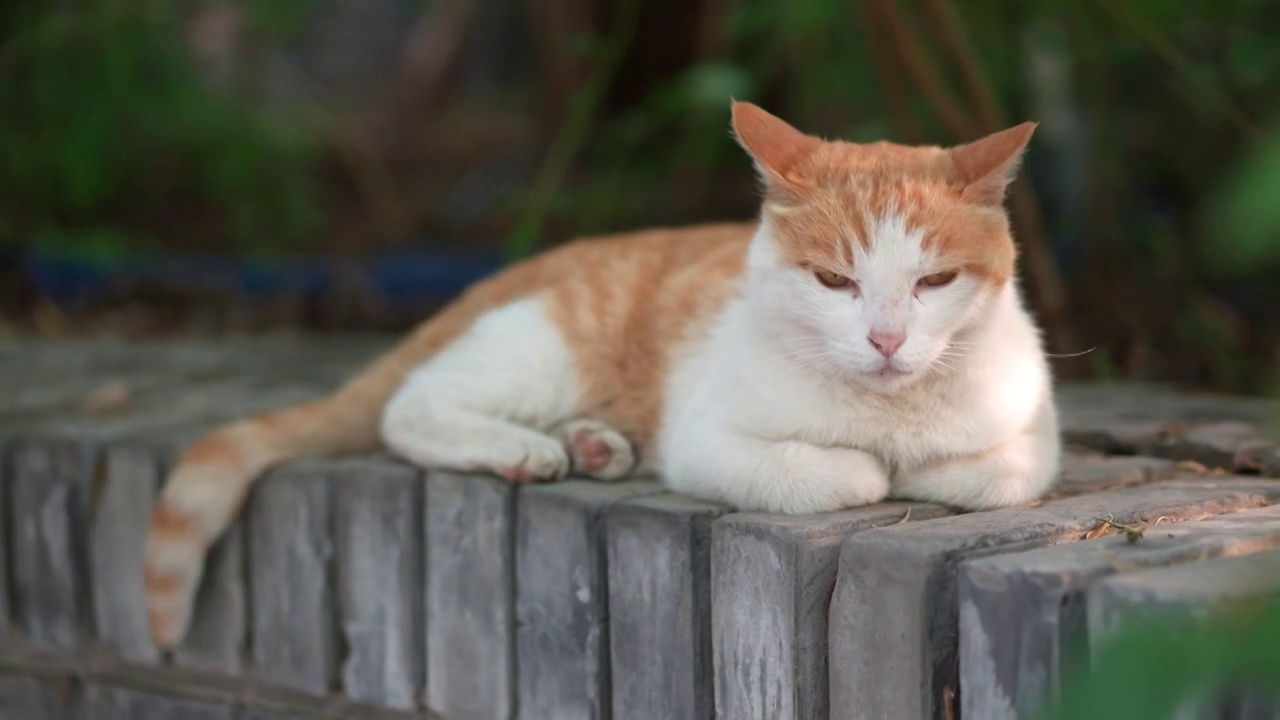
[1049, 294]
[915, 60]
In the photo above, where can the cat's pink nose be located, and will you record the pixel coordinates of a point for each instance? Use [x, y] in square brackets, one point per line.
[886, 342]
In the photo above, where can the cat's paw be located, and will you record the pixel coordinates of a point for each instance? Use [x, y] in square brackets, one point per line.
[597, 450]
[543, 459]
[825, 479]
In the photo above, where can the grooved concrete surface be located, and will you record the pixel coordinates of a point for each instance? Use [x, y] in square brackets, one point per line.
[362, 586]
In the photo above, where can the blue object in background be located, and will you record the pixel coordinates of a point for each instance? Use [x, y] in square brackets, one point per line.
[404, 278]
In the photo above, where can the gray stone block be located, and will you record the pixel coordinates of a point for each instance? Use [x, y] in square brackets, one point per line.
[771, 582]
[216, 640]
[795, 601]
[659, 562]
[115, 703]
[260, 714]
[1118, 434]
[1091, 472]
[380, 587]
[1217, 431]
[49, 509]
[470, 598]
[1231, 445]
[31, 698]
[1271, 464]
[278, 707]
[894, 622]
[291, 578]
[118, 532]
[1022, 616]
[562, 626]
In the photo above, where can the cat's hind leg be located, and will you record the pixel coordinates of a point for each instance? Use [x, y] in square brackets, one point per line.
[487, 401]
[597, 450]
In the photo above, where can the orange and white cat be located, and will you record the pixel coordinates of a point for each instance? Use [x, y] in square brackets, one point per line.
[864, 339]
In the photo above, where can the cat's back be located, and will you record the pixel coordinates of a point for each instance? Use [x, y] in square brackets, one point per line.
[611, 268]
[603, 265]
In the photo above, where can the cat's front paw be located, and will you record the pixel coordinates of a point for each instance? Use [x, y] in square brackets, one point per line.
[542, 460]
[823, 479]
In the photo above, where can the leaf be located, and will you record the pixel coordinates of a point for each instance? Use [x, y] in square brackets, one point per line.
[1103, 528]
[1192, 466]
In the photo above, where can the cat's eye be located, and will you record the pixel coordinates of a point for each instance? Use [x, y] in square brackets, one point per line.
[937, 280]
[835, 281]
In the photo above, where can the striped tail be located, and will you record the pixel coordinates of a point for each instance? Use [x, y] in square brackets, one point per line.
[205, 490]
[208, 485]
[213, 476]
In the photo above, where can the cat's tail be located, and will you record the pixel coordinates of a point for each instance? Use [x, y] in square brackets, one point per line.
[212, 477]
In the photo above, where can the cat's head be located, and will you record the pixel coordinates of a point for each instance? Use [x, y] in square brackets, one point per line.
[873, 260]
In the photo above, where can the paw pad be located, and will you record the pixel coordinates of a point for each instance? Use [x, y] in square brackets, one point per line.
[590, 452]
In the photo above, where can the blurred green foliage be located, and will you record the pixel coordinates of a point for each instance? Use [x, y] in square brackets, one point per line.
[1191, 77]
[1243, 213]
[1157, 161]
[1160, 664]
[108, 138]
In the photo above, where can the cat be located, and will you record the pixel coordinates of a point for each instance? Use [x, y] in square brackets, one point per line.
[864, 338]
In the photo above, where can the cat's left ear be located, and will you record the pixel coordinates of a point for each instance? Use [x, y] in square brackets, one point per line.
[775, 145]
[985, 167]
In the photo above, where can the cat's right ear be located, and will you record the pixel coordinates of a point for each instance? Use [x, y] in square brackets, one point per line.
[775, 146]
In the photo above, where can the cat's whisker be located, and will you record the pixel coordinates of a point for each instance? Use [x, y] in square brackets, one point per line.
[791, 357]
[1071, 355]
[804, 351]
[942, 365]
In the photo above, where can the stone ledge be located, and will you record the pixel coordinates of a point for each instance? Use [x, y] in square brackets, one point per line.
[894, 624]
[477, 599]
[1132, 419]
[1023, 615]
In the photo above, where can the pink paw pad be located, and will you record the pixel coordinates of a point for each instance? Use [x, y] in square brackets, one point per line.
[591, 454]
[598, 451]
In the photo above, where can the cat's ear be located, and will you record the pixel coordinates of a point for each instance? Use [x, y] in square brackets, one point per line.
[985, 167]
[774, 145]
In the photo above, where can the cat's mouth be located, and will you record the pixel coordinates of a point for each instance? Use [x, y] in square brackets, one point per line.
[889, 372]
